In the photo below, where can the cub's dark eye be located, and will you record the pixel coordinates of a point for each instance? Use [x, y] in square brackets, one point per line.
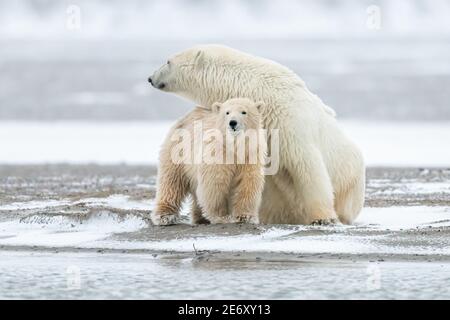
[168, 62]
[243, 112]
[228, 112]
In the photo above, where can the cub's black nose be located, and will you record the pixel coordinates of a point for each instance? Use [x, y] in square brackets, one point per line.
[150, 80]
[233, 124]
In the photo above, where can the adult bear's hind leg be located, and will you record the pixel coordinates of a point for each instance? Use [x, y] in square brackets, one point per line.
[349, 202]
[313, 188]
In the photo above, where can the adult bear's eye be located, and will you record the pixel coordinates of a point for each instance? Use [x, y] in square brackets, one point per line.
[243, 112]
[228, 112]
[168, 61]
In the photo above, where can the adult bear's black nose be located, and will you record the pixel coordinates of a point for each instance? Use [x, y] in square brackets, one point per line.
[150, 80]
[233, 124]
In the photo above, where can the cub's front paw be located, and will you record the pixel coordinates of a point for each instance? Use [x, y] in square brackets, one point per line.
[165, 220]
[325, 222]
[220, 219]
[246, 219]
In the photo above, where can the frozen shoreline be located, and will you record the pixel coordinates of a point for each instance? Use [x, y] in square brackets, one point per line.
[384, 144]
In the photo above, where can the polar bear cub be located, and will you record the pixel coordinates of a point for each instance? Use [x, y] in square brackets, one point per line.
[222, 168]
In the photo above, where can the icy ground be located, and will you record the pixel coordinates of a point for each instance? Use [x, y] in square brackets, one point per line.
[95, 219]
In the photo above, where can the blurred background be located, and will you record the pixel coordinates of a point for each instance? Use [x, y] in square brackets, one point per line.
[89, 60]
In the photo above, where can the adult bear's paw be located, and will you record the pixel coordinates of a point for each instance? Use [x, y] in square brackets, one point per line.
[246, 219]
[325, 222]
[165, 220]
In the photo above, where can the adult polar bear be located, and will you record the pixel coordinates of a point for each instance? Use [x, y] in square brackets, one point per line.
[321, 175]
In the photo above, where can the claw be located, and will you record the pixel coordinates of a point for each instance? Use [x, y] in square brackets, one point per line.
[325, 222]
[165, 220]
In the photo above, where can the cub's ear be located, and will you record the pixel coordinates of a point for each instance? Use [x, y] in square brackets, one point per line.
[216, 107]
[260, 105]
[199, 58]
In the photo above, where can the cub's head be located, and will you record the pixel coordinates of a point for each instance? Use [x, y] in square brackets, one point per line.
[238, 115]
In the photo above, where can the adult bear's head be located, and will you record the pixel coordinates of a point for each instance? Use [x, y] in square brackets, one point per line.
[210, 73]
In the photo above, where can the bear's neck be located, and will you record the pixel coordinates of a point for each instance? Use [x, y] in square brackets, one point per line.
[208, 97]
[275, 90]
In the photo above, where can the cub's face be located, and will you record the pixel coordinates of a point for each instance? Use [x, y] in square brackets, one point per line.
[238, 115]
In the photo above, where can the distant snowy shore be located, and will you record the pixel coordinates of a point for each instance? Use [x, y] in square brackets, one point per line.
[383, 143]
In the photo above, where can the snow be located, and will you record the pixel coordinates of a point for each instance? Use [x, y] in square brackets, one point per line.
[61, 232]
[30, 205]
[397, 218]
[81, 142]
[383, 144]
[118, 202]
[402, 144]
[409, 187]
[64, 229]
[96, 232]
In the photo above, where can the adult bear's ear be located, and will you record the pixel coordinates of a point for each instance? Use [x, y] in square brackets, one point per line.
[199, 58]
[216, 107]
[259, 105]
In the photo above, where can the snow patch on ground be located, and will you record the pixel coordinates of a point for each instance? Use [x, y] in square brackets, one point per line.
[409, 187]
[398, 218]
[58, 231]
[401, 144]
[96, 232]
[66, 229]
[30, 205]
[279, 240]
[117, 201]
[273, 240]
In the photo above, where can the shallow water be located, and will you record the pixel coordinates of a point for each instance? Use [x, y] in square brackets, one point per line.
[116, 276]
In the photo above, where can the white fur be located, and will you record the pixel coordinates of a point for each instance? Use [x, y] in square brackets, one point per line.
[322, 174]
[222, 192]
